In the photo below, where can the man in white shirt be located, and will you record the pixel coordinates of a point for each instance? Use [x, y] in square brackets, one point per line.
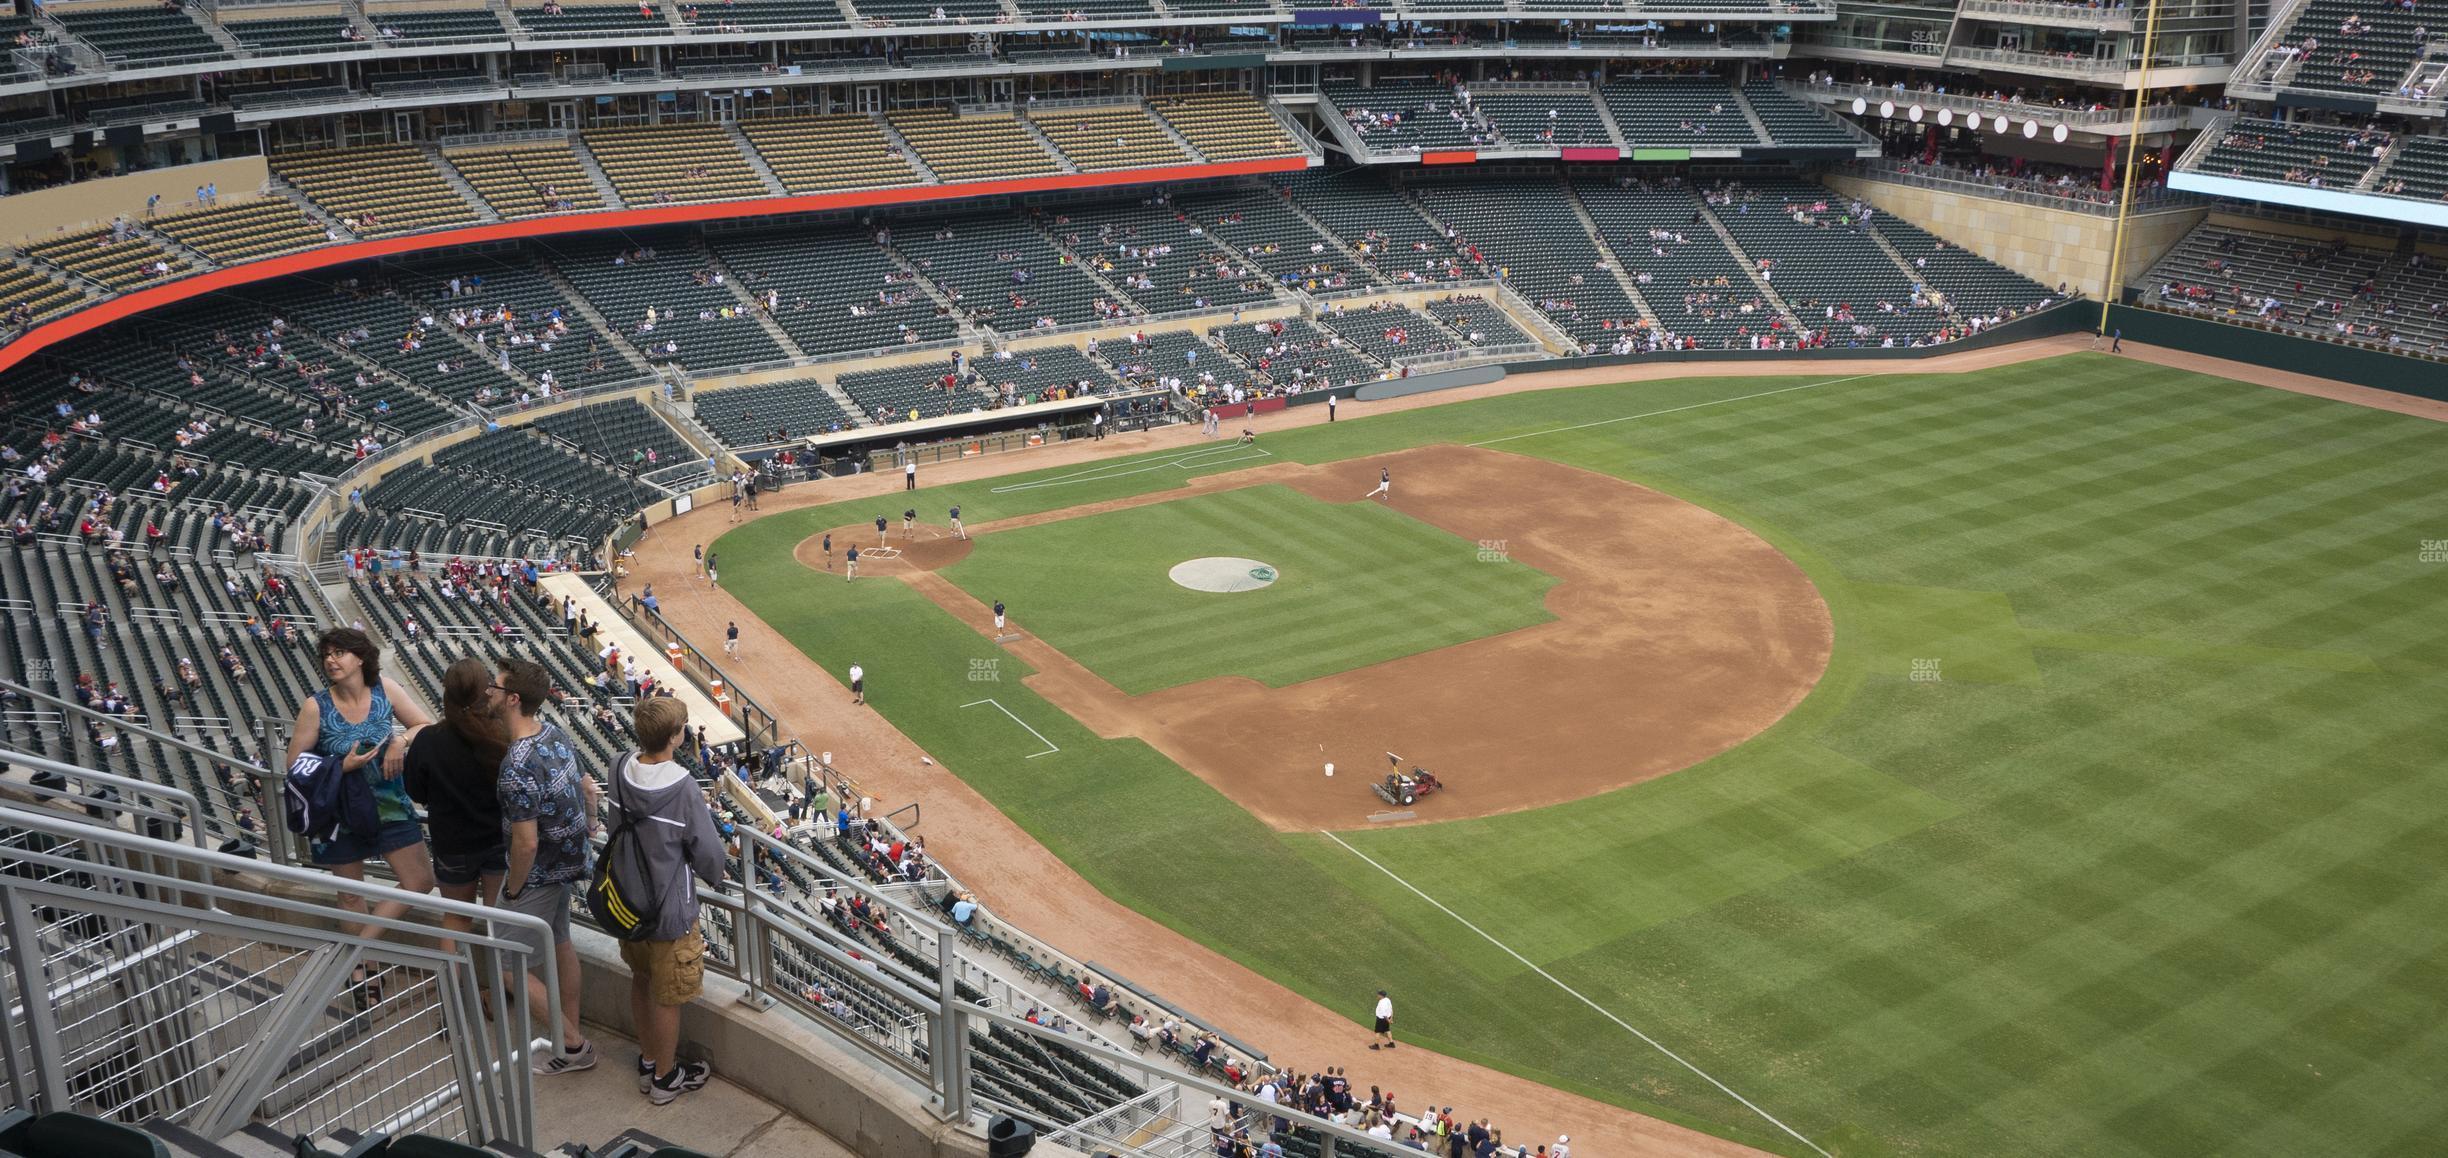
[1385, 1022]
[858, 684]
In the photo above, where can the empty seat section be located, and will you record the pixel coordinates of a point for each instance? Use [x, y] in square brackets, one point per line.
[1678, 112]
[674, 163]
[1377, 224]
[771, 412]
[1830, 274]
[415, 24]
[1226, 126]
[972, 148]
[144, 35]
[1793, 122]
[117, 264]
[676, 306]
[1099, 140]
[1540, 118]
[1263, 228]
[835, 292]
[845, 151]
[243, 232]
[1003, 273]
[1162, 259]
[295, 34]
[527, 180]
[377, 190]
[590, 20]
[1521, 227]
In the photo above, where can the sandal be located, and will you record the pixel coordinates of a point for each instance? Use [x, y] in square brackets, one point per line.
[365, 989]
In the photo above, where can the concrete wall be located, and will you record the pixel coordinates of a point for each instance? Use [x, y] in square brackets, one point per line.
[2047, 245]
[777, 1056]
[44, 214]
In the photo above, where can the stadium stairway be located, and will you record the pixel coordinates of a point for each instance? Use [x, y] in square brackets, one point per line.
[1893, 254]
[450, 176]
[748, 297]
[756, 161]
[579, 304]
[1615, 263]
[1750, 266]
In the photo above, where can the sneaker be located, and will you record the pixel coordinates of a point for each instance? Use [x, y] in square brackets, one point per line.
[684, 1077]
[548, 1061]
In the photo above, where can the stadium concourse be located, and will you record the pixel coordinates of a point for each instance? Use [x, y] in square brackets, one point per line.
[1026, 884]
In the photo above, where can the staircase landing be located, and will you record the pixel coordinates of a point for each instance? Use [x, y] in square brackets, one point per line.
[722, 1119]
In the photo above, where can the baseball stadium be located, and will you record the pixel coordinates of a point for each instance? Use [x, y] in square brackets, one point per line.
[1178, 578]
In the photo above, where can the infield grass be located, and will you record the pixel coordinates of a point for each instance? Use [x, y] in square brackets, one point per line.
[2157, 863]
[1357, 584]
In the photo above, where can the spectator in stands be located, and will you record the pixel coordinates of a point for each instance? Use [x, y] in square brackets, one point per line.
[677, 836]
[548, 809]
[365, 745]
[454, 771]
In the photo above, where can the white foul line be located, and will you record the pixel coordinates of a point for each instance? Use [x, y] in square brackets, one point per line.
[1677, 410]
[1602, 1010]
[1183, 461]
[1051, 746]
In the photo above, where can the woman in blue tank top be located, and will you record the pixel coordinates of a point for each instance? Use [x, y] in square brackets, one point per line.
[352, 719]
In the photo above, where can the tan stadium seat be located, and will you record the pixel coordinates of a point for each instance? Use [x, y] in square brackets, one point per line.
[1226, 126]
[377, 190]
[674, 163]
[973, 148]
[814, 154]
[1103, 140]
[513, 179]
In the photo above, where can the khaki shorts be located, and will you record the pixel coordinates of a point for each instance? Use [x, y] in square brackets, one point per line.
[674, 971]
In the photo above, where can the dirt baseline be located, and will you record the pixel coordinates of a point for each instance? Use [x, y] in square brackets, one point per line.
[1678, 634]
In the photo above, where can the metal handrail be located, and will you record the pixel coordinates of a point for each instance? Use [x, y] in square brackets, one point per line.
[193, 825]
[97, 915]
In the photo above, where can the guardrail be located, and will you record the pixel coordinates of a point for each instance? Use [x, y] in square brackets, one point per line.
[2154, 117]
[2116, 15]
[111, 932]
[2076, 199]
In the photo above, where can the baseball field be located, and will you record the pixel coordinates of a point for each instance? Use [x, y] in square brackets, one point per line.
[2044, 760]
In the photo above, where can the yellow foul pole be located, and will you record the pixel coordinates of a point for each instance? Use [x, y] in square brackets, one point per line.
[2111, 294]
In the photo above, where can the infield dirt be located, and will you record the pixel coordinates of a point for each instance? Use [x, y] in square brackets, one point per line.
[1678, 634]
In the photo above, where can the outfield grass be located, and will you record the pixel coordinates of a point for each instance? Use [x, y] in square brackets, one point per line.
[1358, 584]
[2154, 865]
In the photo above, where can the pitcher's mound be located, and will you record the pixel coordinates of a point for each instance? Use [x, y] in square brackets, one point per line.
[1223, 574]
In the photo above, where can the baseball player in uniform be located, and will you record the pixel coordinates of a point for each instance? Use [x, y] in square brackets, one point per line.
[731, 639]
[828, 550]
[909, 521]
[852, 571]
[998, 617]
[881, 527]
[1385, 485]
[958, 531]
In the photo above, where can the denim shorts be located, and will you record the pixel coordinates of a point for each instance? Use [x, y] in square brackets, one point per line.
[351, 848]
[467, 868]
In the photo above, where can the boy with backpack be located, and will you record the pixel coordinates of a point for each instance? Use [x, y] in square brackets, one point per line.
[662, 832]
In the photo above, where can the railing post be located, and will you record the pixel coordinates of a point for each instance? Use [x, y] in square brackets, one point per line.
[268, 801]
[41, 1020]
[755, 948]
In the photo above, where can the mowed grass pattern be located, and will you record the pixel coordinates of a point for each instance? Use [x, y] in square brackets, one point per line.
[2158, 863]
[1358, 584]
